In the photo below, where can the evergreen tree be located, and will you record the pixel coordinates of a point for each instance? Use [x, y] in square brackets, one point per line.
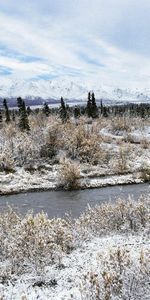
[101, 107]
[29, 110]
[1, 118]
[77, 112]
[46, 109]
[142, 111]
[7, 114]
[89, 106]
[19, 103]
[23, 116]
[94, 109]
[105, 113]
[63, 112]
[13, 116]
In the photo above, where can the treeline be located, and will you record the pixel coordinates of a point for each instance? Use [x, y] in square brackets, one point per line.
[10, 115]
[91, 109]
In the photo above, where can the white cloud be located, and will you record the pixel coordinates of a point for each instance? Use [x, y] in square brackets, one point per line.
[74, 37]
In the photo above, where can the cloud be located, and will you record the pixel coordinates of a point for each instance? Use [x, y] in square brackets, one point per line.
[4, 71]
[93, 40]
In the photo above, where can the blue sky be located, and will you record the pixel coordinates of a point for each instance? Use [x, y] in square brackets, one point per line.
[107, 41]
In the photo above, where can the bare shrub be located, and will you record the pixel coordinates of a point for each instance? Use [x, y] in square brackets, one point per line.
[145, 172]
[122, 159]
[118, 275]
[29, 243]
[69, 175]
[90, 151]
[145, 143]
[120, 217]
[6, 161]
[26, 148]
[33, 241]
[121, 124]
[82, 141]
[51, 144]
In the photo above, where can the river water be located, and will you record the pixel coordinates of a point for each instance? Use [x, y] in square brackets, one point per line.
[57, 203]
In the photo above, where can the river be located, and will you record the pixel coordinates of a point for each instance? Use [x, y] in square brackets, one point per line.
[57, 203]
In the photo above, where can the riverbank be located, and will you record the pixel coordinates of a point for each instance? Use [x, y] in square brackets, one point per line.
[47, 179]
[85, 153]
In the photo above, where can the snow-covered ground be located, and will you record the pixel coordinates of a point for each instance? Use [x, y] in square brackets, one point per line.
[119, 153]
[110, 257]
[22, 181]
[81, 273]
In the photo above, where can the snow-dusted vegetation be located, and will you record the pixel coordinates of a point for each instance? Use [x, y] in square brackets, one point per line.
[100, 151]
[104, 254]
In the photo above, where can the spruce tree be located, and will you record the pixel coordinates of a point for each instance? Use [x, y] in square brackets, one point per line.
[1, 118]
[46, 109]
[89, 106]
[77, 112]
[29, 110]
[7, 113]
[23, 116]
[94, 109]
[101, 106]
[13, 116]
[105, 113]
[19, 103]
[63, 112]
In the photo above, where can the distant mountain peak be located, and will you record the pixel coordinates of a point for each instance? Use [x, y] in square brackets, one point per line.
[69, 89]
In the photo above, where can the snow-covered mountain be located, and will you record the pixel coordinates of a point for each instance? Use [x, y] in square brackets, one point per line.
[69, 89]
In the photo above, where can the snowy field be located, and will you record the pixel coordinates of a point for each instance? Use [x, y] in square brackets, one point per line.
[96, 153]
[104, 254]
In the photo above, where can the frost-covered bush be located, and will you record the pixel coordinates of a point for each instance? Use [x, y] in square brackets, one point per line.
[22, 146]
[122, 159]
[145, 172]
[52, 140]
[69, 175]
[32, 242]
[120, 124]
[6, 161]
[145, 143]
[117, 275]
[90, 151]
[26, 149]
[100, 142]
[82, 141]
[121, 217]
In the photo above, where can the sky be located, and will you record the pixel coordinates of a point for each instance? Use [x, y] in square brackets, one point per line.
[103, 40]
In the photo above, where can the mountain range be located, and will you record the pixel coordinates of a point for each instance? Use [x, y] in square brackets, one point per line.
[69, 89]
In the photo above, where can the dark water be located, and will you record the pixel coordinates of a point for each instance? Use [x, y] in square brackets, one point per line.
[57, 203]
